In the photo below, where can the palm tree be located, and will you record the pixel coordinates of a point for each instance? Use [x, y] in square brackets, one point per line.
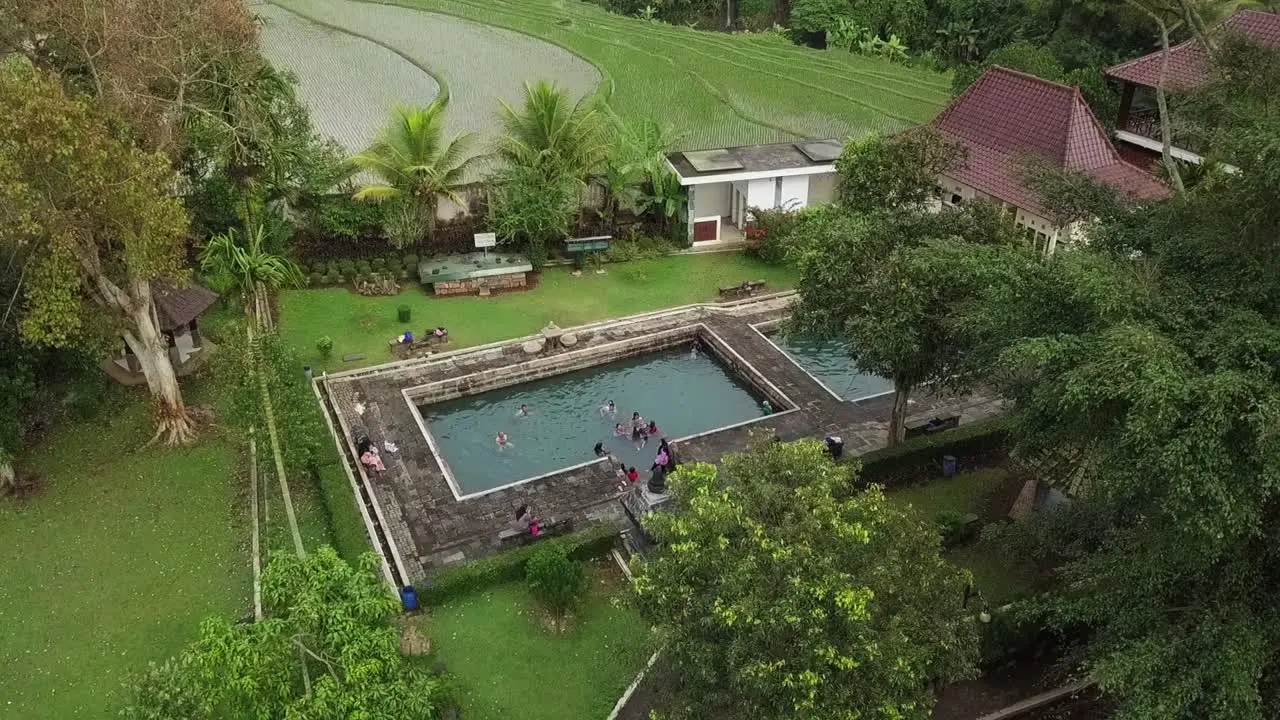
[415, 165]
[553, 134]
[248, 268]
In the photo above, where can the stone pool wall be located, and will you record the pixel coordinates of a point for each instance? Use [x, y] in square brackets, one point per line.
[510, 281]
[424, 524]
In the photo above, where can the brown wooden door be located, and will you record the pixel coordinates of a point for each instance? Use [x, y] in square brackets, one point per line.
[705, 230]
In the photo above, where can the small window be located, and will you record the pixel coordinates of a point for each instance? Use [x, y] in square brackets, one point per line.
[956, 199]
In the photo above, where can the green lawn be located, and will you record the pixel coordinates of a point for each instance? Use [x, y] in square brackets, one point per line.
[365, 324]
[999, 579]
[716, 89]
[115, 564]
[510, 665]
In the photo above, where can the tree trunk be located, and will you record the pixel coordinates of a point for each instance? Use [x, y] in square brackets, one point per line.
[149, 346]
[898, 416]
[1166, 131]
[8, 478]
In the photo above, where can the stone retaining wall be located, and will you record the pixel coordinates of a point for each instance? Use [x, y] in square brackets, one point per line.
[510, 281]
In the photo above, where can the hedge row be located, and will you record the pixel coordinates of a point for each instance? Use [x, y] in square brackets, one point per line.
[924, 454]
[346, 525]
[508, 566]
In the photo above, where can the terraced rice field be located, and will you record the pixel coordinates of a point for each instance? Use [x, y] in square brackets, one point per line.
[475, 64]
[349, 83]
[719, 90]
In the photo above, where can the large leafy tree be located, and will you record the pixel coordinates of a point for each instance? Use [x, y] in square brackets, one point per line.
[864, 277]
[781, 593]
[1155, 376]
[876, 281]
[98, 225]
[327, 649]
[416, 167]
[152, 64]
[531, 210]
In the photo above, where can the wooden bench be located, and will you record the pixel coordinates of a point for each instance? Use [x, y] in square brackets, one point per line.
[748, 288]
[932, 426]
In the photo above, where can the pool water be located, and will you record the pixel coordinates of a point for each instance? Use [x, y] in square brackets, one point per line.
[829, 362]
[685, 394]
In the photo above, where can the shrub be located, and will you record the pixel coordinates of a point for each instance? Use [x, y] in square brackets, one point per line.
[952, 527]
[321, 268]
[640, 247]
[769, 233]
[340, 216]
[923, 455]
[508, 566]
[350, 538]
[333, 278]
[378, 264]
[333, 266]
[554, 579]
[325, 346]
[315, 279]
[411, 260]
[347, 267]
[363, 267]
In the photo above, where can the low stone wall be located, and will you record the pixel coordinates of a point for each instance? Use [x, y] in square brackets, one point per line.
[548, 366]
[510, 281]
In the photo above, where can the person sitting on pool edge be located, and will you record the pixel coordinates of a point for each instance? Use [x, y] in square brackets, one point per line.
[632, 475]
[599, 450]
[440, 334]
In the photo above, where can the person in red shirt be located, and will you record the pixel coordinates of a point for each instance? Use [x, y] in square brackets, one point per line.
[632, 475]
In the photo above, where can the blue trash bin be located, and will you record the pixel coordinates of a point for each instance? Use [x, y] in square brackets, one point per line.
[409, 598]
[949, 465]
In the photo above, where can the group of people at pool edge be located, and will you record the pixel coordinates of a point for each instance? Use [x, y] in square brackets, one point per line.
[640, 432]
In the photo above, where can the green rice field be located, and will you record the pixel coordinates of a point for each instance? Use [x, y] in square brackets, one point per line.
[718, 90]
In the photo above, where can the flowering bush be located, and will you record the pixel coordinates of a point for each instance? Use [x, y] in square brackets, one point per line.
[769, 232]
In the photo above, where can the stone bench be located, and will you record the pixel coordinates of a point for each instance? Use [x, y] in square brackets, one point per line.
[932, 426]
[746, 289]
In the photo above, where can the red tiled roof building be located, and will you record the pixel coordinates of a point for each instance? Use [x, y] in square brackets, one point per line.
[1007, 115]
[1189, 62]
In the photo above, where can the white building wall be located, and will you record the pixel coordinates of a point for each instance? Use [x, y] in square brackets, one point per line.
[795, 192]
[711, 199]
[761, 193]
[822, 188]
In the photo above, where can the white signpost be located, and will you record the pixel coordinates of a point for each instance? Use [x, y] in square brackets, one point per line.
[484, 241]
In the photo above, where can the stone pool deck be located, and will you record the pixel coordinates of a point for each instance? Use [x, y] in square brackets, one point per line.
[421, 524]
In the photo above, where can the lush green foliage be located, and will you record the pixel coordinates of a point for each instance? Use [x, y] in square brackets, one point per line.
[504, 662]
[889, 173]
[531, 210]
[231, 264]
[326, 620]
[455, 582]
[416, 167]
[99, 211]
[1041, 62]
[346, 526]
[1152, 377]
[780, 595]
[554, 578]
[553, 134]
[640, 247]
[364, 324]
[769, 236]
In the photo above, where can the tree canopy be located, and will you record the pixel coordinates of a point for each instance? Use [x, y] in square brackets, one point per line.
[782, 593]
[325, 620]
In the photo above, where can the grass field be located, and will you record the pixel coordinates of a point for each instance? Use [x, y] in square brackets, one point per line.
[365, 324]
[999, 580]
[115, 564]
[719, 90]
[510, 665]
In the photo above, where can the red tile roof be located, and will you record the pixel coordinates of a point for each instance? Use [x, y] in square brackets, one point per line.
[1006, 115]
[1188, 62]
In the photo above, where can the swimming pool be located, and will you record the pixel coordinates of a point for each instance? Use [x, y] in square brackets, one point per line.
[684, 394]
[829, 362]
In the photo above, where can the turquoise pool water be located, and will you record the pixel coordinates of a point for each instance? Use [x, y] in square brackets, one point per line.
[684, 394]
[829, 362]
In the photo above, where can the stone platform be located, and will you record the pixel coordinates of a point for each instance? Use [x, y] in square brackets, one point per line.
[419, 520]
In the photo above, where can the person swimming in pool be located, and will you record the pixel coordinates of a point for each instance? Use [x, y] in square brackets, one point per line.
[523, 411]
[608, 409]
[652, 429]
[619, 430]
[502, 441]
[599, 450]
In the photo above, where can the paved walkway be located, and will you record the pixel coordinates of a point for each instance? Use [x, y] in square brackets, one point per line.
[427, 527]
